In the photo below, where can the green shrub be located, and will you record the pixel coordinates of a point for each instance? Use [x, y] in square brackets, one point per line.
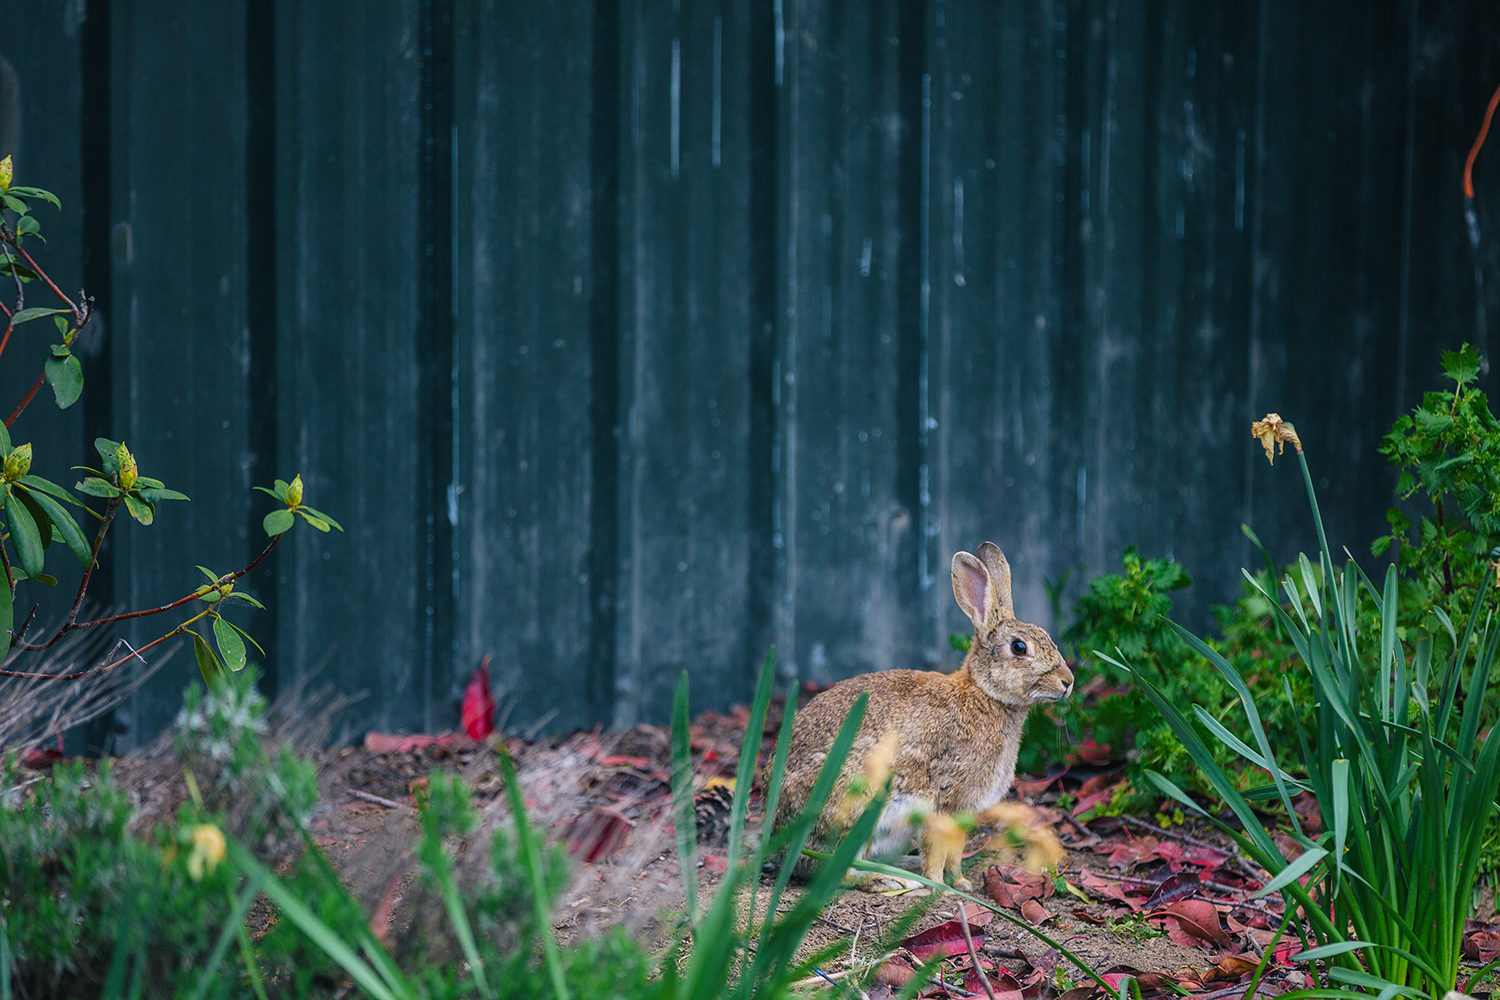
[1392, 754]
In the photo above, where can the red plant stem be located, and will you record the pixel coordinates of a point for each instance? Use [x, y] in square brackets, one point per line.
[50, 284]
[73, 625]
[181, 600]
[93, 670]
[83, 585]
[20, 295]
[26, 399]
[1478, 142]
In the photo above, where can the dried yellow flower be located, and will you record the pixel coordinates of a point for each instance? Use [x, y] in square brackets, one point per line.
[1024, 838]
[208, 850]
[1274, 434]
[944, 836]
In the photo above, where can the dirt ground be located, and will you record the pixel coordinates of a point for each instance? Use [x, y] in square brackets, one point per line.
[1170, 907]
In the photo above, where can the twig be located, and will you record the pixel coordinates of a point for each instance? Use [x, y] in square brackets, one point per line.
[984, 980]
[71, 624]
[377, 799]
[26, 399]
[20, 290]
[78, 314]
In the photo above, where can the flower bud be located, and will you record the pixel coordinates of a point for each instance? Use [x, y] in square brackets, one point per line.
[208, 850]
[18, 462]
[127, 466]
[294, 492]
[6, 172]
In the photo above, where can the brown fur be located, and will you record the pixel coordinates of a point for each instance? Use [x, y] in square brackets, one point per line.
[959, 733]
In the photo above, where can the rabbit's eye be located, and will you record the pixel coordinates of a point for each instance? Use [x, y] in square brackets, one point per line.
[1018, 647]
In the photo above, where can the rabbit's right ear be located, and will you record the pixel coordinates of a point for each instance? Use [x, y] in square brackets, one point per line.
[999, 569]
[971, 586]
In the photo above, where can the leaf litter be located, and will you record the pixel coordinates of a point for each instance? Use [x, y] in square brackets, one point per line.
[1170, 908]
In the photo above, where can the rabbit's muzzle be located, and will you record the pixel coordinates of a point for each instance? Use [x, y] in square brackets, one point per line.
[1063, 679]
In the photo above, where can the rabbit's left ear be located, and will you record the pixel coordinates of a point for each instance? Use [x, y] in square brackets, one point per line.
[971, 587]
[999, 578]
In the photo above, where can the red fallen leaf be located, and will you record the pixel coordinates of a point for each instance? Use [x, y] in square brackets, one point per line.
[1482, 946]
[1199, 919]
[1009, 885]
[944, 939]
[977, 915]
[1093, 792]
[40, 759]
[1306, 807]
[1285, 950]
[1230, 968]
[618, 761]
[1117, 980]
[1092, 752]
[1289, 848]
[1179, 886]
[391, 743]
[1039, 785]
[1132, 852]
[478, 709]
[997, 985]
[1035, 913]
[1108, 889]
[895, 972]
[596, 834]
[1041, 969]
[1079, 992]
[716, 863]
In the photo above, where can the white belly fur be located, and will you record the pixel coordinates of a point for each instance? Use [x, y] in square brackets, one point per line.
[896, 830]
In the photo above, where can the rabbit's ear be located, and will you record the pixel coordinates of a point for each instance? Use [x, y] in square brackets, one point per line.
[971, 586]
[999, 574]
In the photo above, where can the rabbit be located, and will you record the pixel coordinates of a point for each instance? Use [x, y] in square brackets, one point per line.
[956, 735]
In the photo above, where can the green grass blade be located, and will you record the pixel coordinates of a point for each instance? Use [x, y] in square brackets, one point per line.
[1293, 871]
[320, 933]
[822, 788]
[531, 858]
[684, 818]
[1340, 817]
[749, 752]
[226, 936]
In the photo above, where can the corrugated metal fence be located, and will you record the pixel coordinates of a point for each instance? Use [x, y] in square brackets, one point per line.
[632, 338]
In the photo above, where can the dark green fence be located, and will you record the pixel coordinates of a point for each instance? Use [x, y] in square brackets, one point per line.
[632, 338]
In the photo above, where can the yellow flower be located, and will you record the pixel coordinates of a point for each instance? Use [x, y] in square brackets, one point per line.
[18, 462]
[1274, 434]
[208, 849]
[127, 467]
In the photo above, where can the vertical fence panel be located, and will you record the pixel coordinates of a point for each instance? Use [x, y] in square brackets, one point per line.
[348, 203]
[180, 349]
[850, 514]
[1328, 228]
[761, 311]
[525, 214]
[40, 106]
[996, 165]
[687, 503]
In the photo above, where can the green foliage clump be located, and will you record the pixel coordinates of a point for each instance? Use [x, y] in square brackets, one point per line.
[1447, 456]
[88, 908]
[1129, 613]
[1386, 886]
